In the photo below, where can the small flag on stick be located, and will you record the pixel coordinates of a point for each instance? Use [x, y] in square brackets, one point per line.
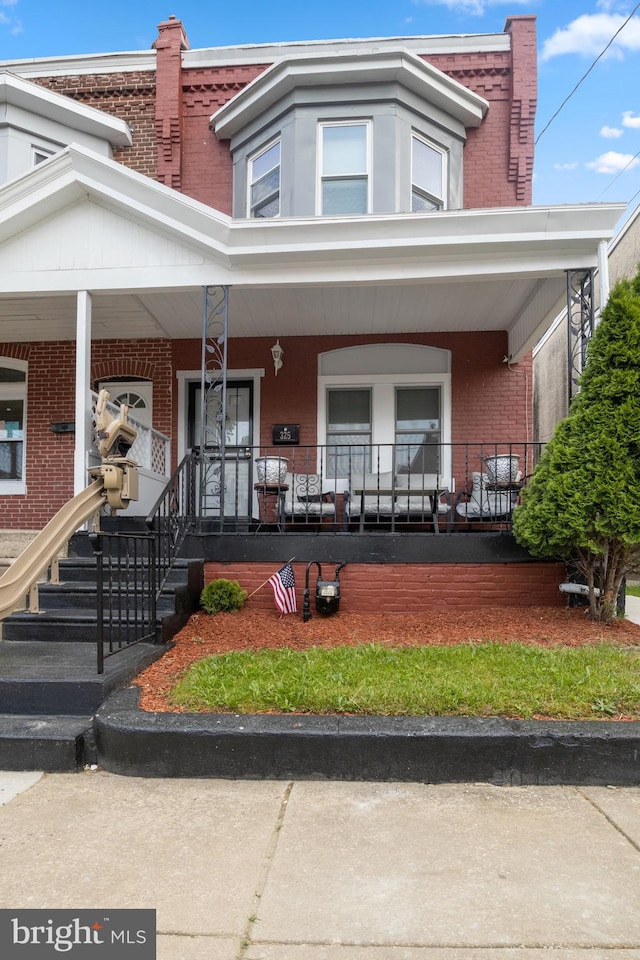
[284, 589]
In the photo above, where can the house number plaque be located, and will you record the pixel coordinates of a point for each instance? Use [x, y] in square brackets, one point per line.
[284, 433]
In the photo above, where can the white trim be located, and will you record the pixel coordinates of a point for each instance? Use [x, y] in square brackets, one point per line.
[444, 169]
[382, 388]
[322, 125]
[46, 103]
[83, 439]
[397, 65]
[250, 179]
[184, 377]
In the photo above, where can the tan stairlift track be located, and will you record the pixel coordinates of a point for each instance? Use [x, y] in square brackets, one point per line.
[17, 581]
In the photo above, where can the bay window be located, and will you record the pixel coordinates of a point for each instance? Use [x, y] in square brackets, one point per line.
[427, 176]
[344, 168]
[264, 182]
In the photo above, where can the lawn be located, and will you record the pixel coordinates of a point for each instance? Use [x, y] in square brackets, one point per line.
[469, 679]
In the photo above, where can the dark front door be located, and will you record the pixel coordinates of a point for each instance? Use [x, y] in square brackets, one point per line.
[238, 487]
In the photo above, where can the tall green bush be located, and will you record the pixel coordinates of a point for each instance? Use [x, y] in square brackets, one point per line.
[583, 498]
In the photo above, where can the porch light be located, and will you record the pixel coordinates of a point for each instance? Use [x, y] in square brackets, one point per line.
[277, 353]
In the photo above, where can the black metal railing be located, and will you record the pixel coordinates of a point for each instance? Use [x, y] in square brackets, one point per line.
[126, 592]
[346, 486]
[132, 568]
[172, 516]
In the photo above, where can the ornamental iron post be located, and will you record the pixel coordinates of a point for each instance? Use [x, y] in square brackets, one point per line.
[213, 400]
[580, 324]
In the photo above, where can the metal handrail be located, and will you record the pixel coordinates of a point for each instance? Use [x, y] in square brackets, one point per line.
[173, 515]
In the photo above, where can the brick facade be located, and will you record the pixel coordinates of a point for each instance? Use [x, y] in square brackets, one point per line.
[412, 587]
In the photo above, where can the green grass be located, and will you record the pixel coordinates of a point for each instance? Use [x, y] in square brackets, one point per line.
[633, 589]
[511, 680]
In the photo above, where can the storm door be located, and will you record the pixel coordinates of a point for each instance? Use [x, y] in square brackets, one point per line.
[238, 487]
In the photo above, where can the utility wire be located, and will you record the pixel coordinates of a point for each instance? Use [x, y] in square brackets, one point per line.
[619, 174]
[585, 75]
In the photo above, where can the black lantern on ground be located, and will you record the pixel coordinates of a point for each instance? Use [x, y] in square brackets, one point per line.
[327, 593]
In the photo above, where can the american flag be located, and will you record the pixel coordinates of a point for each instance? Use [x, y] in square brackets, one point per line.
[284, 589]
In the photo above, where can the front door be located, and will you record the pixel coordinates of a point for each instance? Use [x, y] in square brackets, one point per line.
[238, 487]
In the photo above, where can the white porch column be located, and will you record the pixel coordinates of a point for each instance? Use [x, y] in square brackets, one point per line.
[603, 277]
[83, 383]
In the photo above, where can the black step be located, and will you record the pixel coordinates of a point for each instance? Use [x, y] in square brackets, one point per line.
[52, 743]
[45, 678]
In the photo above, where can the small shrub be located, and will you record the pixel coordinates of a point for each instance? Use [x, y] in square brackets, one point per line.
[222, 596]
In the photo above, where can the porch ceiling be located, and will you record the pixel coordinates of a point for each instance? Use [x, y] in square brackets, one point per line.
[391, 308]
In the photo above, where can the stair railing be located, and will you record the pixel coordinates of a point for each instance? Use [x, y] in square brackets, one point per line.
[172, 516]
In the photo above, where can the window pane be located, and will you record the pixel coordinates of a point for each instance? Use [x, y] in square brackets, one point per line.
[418, 430]
[265, 187]
[427, 167]
[11, 434]
[11, 375]
[265, 162]
[344, 149]
[349, 411]
[344, 196]
[420, 203]
[271, 208]
[417, 408]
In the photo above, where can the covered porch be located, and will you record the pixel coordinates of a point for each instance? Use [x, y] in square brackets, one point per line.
[108, 276]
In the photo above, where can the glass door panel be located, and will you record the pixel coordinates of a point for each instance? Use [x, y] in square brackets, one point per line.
[238, 488]
[418, 430]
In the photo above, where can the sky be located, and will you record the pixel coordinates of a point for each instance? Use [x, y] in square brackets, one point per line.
[590, 152]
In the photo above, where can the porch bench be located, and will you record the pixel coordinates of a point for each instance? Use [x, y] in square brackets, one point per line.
[306, 501]
[389, 497]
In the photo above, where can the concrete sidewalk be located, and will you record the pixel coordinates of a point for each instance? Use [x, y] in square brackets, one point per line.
[265, 870]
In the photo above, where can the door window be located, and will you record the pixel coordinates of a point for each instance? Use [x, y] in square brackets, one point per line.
[348, 432]
[417, 430]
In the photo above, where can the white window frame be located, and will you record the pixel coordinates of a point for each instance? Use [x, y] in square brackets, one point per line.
[368, 173]
[41, 154]
[443, 199]
[383, 408]
[16, 391]
[250, 179]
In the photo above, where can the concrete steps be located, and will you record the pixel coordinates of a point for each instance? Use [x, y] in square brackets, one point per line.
[49, 685]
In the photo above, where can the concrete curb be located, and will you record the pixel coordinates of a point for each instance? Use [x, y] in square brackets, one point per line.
[132, 742]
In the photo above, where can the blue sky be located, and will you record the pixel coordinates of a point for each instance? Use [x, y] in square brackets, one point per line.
[581, 157]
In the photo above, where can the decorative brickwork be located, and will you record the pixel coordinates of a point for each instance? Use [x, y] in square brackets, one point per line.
[128, 96]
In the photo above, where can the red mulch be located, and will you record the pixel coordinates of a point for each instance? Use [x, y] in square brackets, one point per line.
[205, 635]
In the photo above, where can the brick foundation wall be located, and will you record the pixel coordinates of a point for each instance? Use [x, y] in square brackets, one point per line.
[411, 587]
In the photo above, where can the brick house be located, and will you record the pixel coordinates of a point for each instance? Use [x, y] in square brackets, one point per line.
[363, 206]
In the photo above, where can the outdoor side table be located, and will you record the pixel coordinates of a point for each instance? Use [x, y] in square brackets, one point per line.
[271, 503]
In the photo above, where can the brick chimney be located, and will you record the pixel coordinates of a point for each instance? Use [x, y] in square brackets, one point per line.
[172, 40]
[524, 98]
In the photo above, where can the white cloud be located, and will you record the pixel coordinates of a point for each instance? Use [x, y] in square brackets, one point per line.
[573, 165]
[613, 162]
[475, 8]
[611, 133]
[590, 33]
[628, 120]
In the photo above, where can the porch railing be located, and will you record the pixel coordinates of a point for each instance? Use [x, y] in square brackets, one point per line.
[348, 486]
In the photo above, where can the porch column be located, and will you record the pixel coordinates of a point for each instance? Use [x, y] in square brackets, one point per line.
[83, 383]
[603, 277]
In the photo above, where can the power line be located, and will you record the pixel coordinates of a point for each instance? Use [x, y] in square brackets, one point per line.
[619, 174]
[585, 75]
